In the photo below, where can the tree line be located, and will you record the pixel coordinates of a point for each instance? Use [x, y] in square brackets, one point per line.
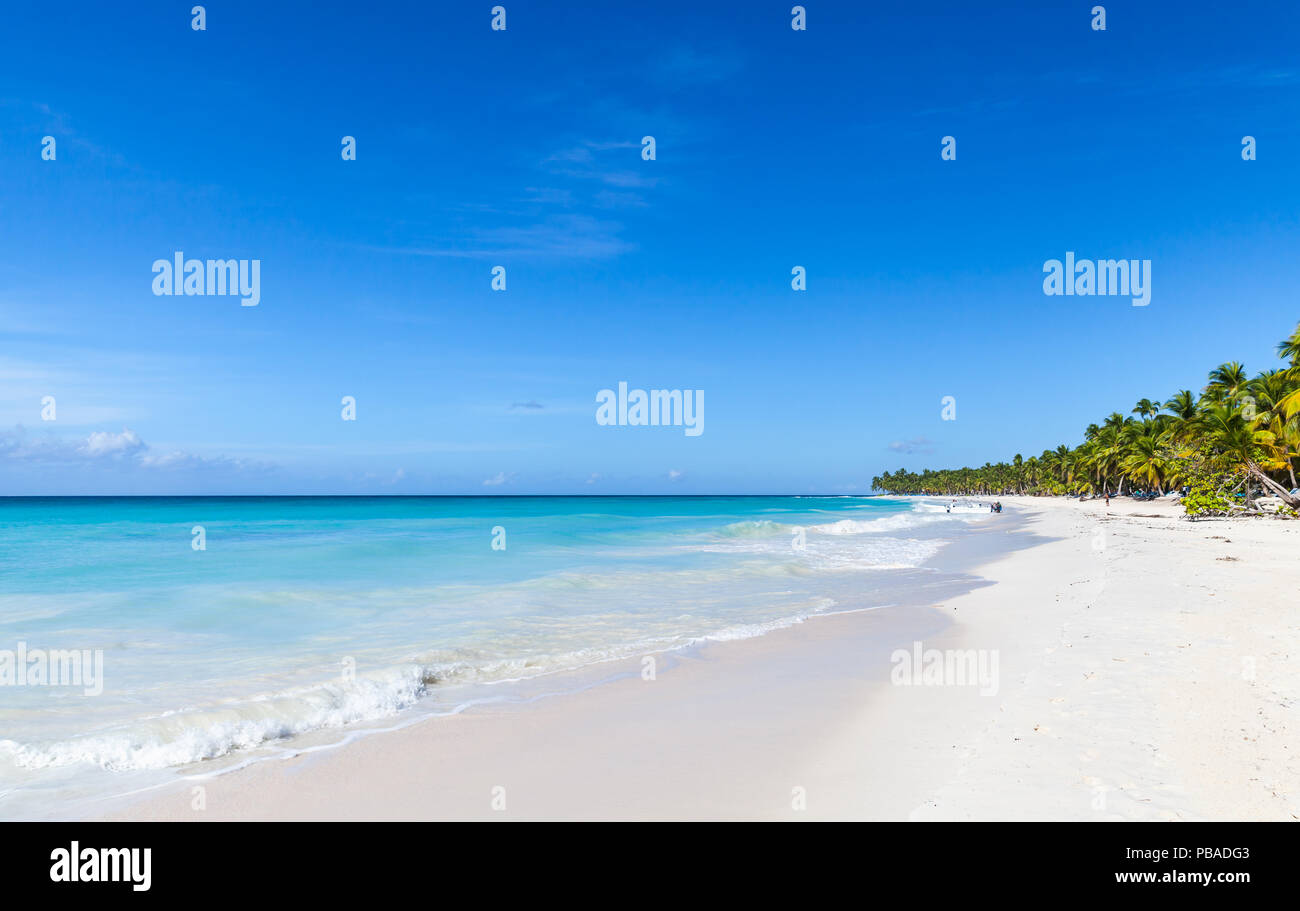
[1236, 440]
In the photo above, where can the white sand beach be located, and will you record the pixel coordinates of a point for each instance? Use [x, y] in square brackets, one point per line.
[1145, 672]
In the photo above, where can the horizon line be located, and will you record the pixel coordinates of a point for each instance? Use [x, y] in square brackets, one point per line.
[410, 496]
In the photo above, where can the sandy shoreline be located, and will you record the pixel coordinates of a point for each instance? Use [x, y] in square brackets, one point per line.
[1140, 676]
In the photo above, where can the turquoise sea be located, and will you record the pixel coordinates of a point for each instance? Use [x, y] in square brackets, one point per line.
[304, 615]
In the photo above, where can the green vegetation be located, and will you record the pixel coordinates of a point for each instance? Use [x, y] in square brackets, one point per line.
[1238, 440]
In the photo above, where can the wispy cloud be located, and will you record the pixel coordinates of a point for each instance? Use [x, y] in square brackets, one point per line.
[610, 163]
[684, 66]
[498, 479]
[90, 386]
[40, 117]
[105, 449]
[574, 236]
[552, 219]
[914, 445]
[614, 164]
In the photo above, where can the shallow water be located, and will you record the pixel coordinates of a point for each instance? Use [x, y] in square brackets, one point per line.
[304, 615]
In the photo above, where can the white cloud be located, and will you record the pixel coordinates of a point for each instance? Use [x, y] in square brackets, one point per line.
[101, 443]
[567, 236]
[103, 448]
[914, 445]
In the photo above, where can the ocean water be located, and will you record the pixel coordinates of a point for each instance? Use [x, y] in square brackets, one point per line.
[305, 616]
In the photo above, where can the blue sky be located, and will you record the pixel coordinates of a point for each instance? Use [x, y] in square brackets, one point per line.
[521, 148]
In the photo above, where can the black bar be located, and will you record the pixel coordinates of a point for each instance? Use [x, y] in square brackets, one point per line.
[1055, 860]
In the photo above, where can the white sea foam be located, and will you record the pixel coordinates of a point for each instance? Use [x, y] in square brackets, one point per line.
[960, 508]
[655, 593]
[922, 513]
[754, 528]
[185, 736]
[753, 630]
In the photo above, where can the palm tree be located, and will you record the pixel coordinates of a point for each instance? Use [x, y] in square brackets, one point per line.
[1145, 462]
[1182, 405]
[1146, 408]
[1268, 389]
[1240, 431]
[1033, 473]
[1226, 381]
[1288, 438]
[1239, 442]
[1053, 463]
[1289, 348]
